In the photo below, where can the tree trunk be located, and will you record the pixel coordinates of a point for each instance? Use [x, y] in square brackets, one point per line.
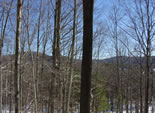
[148, 57]
[71, 60]
[137, 106]
[37, 60]
[10, 90]
[16, 76]
[141, 92]
[131, 108]
[87, 56]
[56, 51]
[127, 100]
[58, 13]
[53, 79]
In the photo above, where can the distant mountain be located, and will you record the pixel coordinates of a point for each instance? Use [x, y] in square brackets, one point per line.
[113, 60]
[128, 60]
[34, 54]
[29, 56]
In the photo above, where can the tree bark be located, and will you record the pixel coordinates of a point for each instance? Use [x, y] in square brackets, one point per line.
[140, 89]
[53, 79]
[148, 61]
[58, 5]
[56, 51]
[87, 56]
[37, 61]
[16, 76]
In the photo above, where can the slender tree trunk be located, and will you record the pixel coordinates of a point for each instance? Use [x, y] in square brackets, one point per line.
[71, 60]
[45, 39]
[87, 56]
[20, 84]
[141, 92]
[53, 85]
[6, 92]
[118, 72]
[58, 56]
[16, 76]
[131, 109]
[148, 57]
[58, 5]
[137, 106]
[127, 100]
[1, 77]
[93, 104]
[37, 61]
[58, 60]
[10, 89]
[53, 79]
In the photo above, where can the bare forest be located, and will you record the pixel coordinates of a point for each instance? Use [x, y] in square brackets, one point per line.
[77, 56]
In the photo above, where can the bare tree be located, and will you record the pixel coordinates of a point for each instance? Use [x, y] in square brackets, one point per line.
[116, 18]
[16, 70]
[143, 26]
[71, 59]
[37, 58]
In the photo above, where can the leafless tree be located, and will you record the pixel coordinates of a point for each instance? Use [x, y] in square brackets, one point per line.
[16, 71]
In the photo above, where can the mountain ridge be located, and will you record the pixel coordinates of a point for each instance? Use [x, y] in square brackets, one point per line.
[122, 59]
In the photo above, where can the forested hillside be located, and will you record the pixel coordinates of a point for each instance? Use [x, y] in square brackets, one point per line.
[77, 56]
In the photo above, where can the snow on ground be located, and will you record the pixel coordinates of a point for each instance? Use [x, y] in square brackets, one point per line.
[7, 111]
[150, 111]
[77, 112]
[132, 112]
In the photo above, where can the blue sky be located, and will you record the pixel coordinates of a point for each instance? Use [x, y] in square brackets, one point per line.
[101, 14]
